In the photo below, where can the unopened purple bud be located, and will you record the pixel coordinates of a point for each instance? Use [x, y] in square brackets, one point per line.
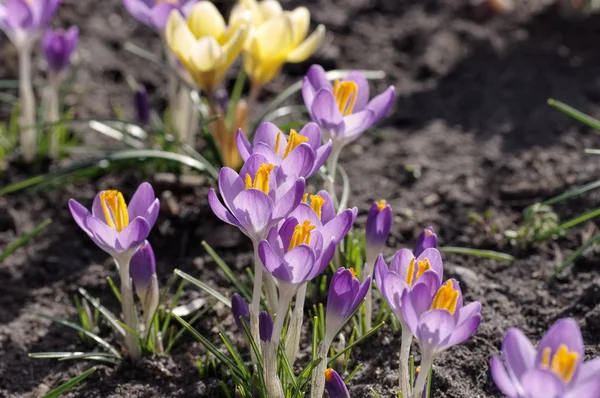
[265, 326]
[335, 385]
[143, 266]
[142, 105]
[379, 224]
[426, 240]
[240, 310]
[58, 46]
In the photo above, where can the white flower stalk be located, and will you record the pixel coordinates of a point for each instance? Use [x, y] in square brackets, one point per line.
[27, 117]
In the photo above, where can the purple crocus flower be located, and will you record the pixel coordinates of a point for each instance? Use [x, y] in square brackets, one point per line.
[265, 326]
[143, 268]
[142, 106]
[58, 46]
[257, 198]
[379, 224]
[335, 385]
[240, 310]
[116, 228]
[426, 239]
[24, 20]
[345, 295]
[342, 109]
[556, 369]
[155, 13]
[299, 154]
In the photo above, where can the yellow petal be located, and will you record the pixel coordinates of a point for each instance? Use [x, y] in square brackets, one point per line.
[269, 9]
[206, 54]
[274, 38]
[301, 22]
[308, 46]
[239, 18]
[206, 20]
[233, 47]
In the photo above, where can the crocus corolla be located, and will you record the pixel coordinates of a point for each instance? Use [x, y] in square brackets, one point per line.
[342, 109]
[204, 44]
[143, 270]
[155, 13]
[23, 21]
[426, 239]
[256, 198]
[58, 46]
[345, 295]
[240, 311]
[379, 224]
[335, 385]
[301, 153]
[117, 228]
[265, 326]
[556, 369]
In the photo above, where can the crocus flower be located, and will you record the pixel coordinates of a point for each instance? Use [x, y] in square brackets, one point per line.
[342, 109]
[58, 46]
[556, 369]
[240, 310]
[277, 37]
[141, 106]
[256, 199]
[265, 326]
[115, 227]
[345, 295]
[23, 21]
[426, 239]
[204, 44]
[335, 385]
[379, 224]
[301, 153]
[154, 13]
[143, 269]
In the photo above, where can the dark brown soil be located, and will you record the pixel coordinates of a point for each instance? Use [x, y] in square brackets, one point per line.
[471, 118]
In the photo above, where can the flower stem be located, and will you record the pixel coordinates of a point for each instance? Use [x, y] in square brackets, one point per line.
[27, 117]
[422, 378]
[332, 163]
[318, 374]
[270, 291]
[405, 344]
[292, 341]
[52, 114]
[130, 318]
[368, 270]
[282, 310]
[258, 277]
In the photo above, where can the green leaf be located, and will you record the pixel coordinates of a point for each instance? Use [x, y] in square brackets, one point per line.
[22, 241]
[575, 114]
[570, 224]
[575, 255]
[572, 193]
[240, 287]
[477, 253]
[114, 288]
[204, 287]
[358, 341]
[66, 386]
[236, 93]
[351, 375]
[110, 317]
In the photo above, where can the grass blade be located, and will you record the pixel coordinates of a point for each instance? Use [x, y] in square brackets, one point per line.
[575, 114]
[66, 386]
[575, 255]
[22, 241]
[110, 317]
[477, 253]
[204, 287]
[358, 341]
[241, 288]
[570, 224]
[572, 193]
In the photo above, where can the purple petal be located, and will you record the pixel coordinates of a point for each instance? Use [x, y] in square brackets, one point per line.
[362, 96]
[299, 261]
[269, 154]
[265, 326]
[328, 210]
[564, 331]
[588, 386]
[219, 210]
[501, 377]
[381, 104]
[141, 201]
[323, 261]
[18, 14]
[464, 331]
[97, 210]
[313, 133]
[380, 271]
[425, 240]
[300, 161]
[401, 263]
[240, 311]
[303, 212]
[268, 256]
[325, 110]
[80, 215]
[160, 14]
[243, 145]
[335, 385]
[379, 224]
[339, 226]
[317, 77]
[254, 210]
[266, 133]
[519, 353]
[539, 383]
[435, 261]
[143, 266]
[103, 235]
[289, 200]
[393, 288]
[133, 235]
[251, 166]
[434, 330]
[357, 123]
[589, 370]
[139, 10]
[230, 186]
[322, 155]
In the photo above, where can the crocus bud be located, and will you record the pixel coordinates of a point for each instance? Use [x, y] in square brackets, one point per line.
[335, 385]
[142, 270]
[142, 105]
[265, 326]
[58, 46]
[379, 224]
[426, 240]
[240, 309]
[345, 295]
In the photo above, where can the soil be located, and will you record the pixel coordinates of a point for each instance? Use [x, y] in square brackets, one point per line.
[470, 134]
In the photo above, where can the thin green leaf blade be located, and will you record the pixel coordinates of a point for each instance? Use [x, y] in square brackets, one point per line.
[66, 386]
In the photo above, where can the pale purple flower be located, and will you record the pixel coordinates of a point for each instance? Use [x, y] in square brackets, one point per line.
[300, 154]
[426, 240]
[240, 310]
[143, 266]
[58, 46]
[23, 21]
[342, 109]
[344, 296]
[117, 228]
[335, 384]
[556, 369]
[379, 224]
[256, 198]
[154, 13]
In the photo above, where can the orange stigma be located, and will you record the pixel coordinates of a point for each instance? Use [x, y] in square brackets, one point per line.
[114, 209]
[445, 298]
[381, 204]
[261, 181]
[301, 235]
[345, 93]
[563, 363]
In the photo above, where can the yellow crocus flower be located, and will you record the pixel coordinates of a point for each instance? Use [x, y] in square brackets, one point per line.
[204, 44]
[276, 37]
